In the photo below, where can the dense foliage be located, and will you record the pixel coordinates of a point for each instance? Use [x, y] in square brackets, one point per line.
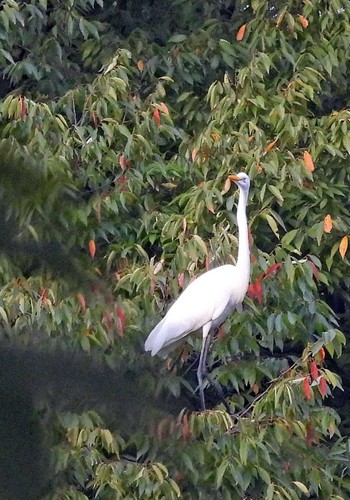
[120, 122]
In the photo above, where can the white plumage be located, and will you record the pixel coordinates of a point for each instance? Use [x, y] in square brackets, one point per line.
[209, 299]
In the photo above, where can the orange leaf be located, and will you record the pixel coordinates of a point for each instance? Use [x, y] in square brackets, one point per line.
[227, 186]
[120, 321]
[323, 386]
[211, 210]
[327, 224]
[140, 65]
[164, 108]
[307, 388]
[241, 32]
[309, 164]
[156, 116]
[194, 154]
[313, 370]
[322, 353]
[343, 246]
[92, 248]
[303, 21]
[255, 389]
[280, 19]
[270, 146]
[185, 354]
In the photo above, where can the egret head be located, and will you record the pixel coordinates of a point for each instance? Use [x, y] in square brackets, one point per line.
[242, 180]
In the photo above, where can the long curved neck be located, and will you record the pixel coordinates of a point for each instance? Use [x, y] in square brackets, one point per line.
[243, 260]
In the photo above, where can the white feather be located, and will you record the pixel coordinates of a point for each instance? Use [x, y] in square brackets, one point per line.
[209, 298]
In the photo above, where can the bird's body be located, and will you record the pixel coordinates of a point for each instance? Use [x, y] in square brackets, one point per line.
[209, 299]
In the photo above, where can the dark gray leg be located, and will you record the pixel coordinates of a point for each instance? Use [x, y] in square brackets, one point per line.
[202, 367]
[203, 372]
[219, 392]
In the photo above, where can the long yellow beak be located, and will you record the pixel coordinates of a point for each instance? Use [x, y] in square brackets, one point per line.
[234, 178]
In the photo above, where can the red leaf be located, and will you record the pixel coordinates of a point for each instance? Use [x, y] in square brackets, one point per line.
[313, 370]
[272, 269]
[43, 294]
[122, 162]
[107, 320]
[322, 353]
[207, 263]
[307, 388]
[185, 428]
[259, 292]
[250, 238]
[152, 285]
[314, 269]
[251, 291]
[82, 301]
[160, 430]
[164, 108]
[156, 116]
[92, 248]
[181, 280]
[120, 321]
[221, 333]
[255, 291]
[309, 434]
[95, 119]
[23, 107]
[323, 386]
[121, 181]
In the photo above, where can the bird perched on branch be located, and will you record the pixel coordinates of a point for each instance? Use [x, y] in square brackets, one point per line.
[209, 300]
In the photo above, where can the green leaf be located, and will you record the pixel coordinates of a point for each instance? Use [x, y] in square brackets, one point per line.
[177, 38]
[272, 223]
[7, 56]
[301, 487]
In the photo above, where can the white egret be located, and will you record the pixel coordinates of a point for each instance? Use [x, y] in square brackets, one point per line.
[208, 300]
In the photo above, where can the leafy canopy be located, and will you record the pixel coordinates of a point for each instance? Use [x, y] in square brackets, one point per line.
[126, 119]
